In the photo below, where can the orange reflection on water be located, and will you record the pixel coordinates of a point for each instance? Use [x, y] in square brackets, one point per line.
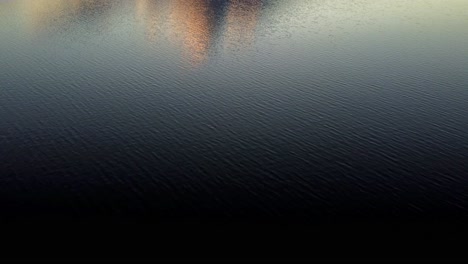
[191, 22]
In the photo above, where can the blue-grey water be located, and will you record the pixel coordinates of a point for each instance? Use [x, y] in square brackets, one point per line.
[306, 109]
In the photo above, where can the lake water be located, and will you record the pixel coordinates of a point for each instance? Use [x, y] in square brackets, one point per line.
[307, 109]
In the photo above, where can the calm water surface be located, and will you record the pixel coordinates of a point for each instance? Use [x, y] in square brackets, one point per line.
[234, 108]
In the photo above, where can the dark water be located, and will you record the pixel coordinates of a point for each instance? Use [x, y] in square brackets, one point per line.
[307, 109]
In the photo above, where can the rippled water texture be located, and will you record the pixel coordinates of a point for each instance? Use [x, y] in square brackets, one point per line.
[234, 108]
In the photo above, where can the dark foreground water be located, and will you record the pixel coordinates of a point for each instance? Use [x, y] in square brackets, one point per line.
[234, 109]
